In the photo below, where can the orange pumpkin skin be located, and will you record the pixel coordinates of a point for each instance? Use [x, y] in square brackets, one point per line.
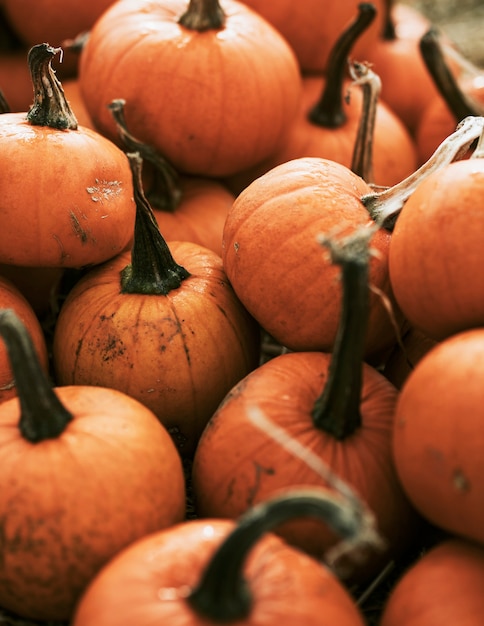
[54, 21]
[178, 354]
[312, 27]
[444, 585]
[223, 98]
[170, 562]
[438, 435]
[15, 80]
[67, 196]
[436, 254]
[12, 298]
[70, 504]
[394, 151]
[200, 216]
[276, 265]
[238, 464]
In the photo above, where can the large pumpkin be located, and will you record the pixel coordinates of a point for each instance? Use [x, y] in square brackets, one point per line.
[212, 87]
[85, 472]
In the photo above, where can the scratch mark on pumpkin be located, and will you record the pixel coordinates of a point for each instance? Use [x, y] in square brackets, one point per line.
[78, 230]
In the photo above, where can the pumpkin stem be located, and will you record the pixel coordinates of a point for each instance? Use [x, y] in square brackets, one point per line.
[42, 415]
[337, 409]
[50, 106]
[223, 595]
[203, 15]
[153, 270]
[385, 206]
[458, 103]
[4, 106]
[328, 111]
[389, 32]
[362, 162]
[164, 192]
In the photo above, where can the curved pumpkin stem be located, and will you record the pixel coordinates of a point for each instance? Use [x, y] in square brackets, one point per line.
[153, 270]
[328, 111]
[385, 206]
[362, 161]
[223, 595]
[42, 415]
[337, 410]
[458, 103]
[164, 193]
[50, 106]
[203, 15]
[388, 32]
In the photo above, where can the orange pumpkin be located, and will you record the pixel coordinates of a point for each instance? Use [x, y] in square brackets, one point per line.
[53, 21]
[302, 411]
[12, 298]
[438, 435]
[276, 266]
[331, 112]
[213, 89]
[186, 208]
[312, 27]
[172, 334]
[219, 571]
[67, 198]
[444, 585]
[85, 472]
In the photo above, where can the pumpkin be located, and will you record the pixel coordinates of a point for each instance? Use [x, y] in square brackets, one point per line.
[303, 411]
[311, 27]
[273, 259]
[227, 83]
[15, 80]
[331, 111]
[444, 584]
[436, 253]
[460, 94]
[86, 471]
[53, 21]
[67, 198]
[438, 436]
[171, 333]
[221, 571]
[12, 298]
[186, 208]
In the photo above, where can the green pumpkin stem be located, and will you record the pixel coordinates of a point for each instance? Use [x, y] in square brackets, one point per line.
[223, 595]
[42, 415]
[50, 106]
[153, 270]
[337, 410]
[458, 103]
[164, 192]
[203, 15]
[362, 161]
[385, 206]
[328, 112]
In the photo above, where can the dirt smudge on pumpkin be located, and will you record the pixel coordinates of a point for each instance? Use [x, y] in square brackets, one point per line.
[460, 481]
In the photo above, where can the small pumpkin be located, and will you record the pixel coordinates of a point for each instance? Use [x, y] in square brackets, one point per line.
[221, 571]
[85, 472]
[171, 333]
[67, 197]
[438, 435]
[227, 82]
[445, 584]
[12, 298]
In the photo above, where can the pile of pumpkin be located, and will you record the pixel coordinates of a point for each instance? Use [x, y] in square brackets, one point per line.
[241, 312]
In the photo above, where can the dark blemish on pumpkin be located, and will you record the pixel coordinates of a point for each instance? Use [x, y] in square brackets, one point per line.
[222, 310]
[79, 347]
[259, 472]
[178, 437]
[104, 318]
[78, 230]
[63, 253]
[236, 246]
[112, 348]
[460, 481]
